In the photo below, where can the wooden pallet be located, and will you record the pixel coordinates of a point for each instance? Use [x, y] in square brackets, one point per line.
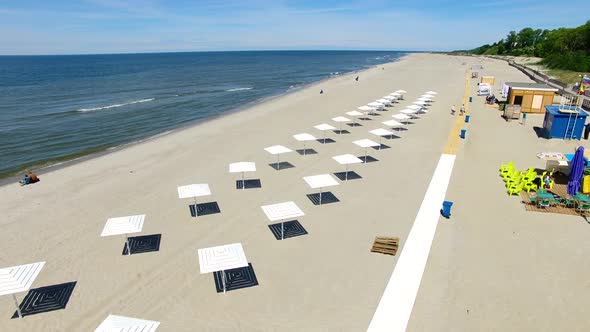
[385, 245]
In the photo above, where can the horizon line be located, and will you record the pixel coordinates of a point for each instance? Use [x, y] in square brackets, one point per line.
[223, 51]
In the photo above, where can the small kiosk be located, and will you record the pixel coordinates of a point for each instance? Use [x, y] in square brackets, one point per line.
[565, 122]
[532, 97]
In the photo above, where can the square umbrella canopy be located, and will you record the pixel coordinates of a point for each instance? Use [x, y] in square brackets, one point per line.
[400, 91]
[420, 102]
[431, 92]
[123, 226]
[324, 127]
[366, 109]
[347, 159]
[429, 96]
[277, 150]
[194, 191]
[392, 123]
[20, 278]
[401, 117]
[366, 143]
[242, 167]
[320, 181]
[340, 119]
[414, 107]
[395, 94]
[282, 211]
[390, 98]
[304, 137]
[114, 323]
[376, 105]
[381, 132]
[354, 113]
[383, 101]
[221, 258]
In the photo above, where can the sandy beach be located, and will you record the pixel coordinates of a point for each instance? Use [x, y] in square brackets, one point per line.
[493, 266]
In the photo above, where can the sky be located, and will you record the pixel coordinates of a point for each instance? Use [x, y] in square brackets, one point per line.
[135, 26]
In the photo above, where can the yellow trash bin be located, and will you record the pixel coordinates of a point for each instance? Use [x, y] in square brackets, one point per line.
[586, 184]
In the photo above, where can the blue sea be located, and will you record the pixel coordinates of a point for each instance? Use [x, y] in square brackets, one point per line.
[55, 108]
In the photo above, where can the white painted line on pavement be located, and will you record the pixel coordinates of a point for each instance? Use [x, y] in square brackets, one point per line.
[395, 307]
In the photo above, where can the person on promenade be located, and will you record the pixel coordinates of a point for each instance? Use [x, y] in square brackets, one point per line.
[462, 110]
[453, 109]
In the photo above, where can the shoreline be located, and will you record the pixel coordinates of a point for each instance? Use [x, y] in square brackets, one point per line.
[58, 163]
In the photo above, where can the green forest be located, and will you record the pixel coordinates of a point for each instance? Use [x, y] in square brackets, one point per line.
[563, 48]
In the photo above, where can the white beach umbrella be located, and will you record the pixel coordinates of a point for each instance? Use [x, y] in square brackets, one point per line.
[126, 324]
[424, 99]
[431, 92]
[390, 98]
[324, 127]
[194, 191]
[367, 109]
[401, 117]
[17, 279]
[366, 143]
[124, 226]
[340, 120]
[242, 167]
[414, 107]
[356, 114]
[221, 258]
[304, 137]
[384, 101]
[376, 105]
[401, 91]
[392, 123]
[420, 102]
[346, 159]
[395, 94]
[277, 150]
[282, 211]
[428, 96]
[320, 181]
[381, 132]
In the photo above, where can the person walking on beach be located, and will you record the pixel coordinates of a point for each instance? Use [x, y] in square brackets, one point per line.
[453, 109]
[462, 110]
[356, 79]
[321, 91]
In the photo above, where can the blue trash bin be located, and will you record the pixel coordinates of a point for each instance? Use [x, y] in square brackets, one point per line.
[463, 131]
[470, 99]
[446, 209]
[467, 118]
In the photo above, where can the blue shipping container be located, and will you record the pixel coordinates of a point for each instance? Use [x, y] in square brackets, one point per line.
[564, 125]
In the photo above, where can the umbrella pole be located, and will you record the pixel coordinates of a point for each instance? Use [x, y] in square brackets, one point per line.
[365, 155]
[127, 244]
[340, 131]
[223, 280]
[380, 138]
[243, 182]
[282, 229]
[324, 137]
[304, 149]
[320, 195]
[278, 162]
[196, 212]
[20, 314]
[346, 173]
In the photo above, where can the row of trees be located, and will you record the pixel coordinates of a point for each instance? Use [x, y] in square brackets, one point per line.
[564, 48]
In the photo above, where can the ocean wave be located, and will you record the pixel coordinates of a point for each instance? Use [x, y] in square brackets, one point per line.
[114, 105]
[238, 89]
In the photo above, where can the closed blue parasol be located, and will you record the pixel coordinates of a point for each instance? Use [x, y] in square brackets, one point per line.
[576, 172]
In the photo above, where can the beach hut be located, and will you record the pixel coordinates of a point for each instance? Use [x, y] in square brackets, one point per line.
[488, 79]
[565, 122]
[532, 97]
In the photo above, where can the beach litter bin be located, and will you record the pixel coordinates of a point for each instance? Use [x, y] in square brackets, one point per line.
[446, 209]
[523, 118]
[463, 131]
[467, 118]
[470, 99]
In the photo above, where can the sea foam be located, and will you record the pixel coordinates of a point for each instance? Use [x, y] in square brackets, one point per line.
[114, 105]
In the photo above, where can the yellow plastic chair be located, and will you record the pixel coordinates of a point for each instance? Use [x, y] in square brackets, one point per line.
[528, 186]
[516, 189]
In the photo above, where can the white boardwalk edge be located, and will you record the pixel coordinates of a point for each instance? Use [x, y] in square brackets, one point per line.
[395, 307]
